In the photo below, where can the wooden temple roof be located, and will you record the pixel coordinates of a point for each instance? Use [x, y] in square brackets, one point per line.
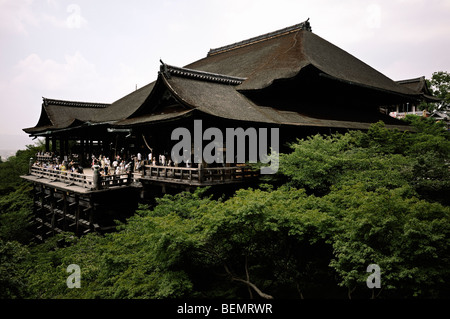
[420, 86]
[231, 81]
[62, 114]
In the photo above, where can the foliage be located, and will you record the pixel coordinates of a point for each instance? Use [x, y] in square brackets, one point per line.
[429, 151]
[12, 283]
[440, 84]
[349, 200]
[379, 158]
[15, 166]
[427, 126]
[408, 238]
[319, 162]
[166, 253]
[120, 265]
[15, 210]
[15, 196]
[265, 243]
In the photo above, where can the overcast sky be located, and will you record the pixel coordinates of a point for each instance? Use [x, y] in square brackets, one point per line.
[99, 51]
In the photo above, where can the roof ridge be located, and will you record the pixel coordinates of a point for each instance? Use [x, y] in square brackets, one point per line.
[169, 70]
[74, 103]
[305, 25]
[421, 78]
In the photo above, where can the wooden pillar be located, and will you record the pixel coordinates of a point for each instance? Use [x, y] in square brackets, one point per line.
[52, 209]
[47, 144]
[96, 178]
[42, 198]
[40, 213]
[200, 173]
[61, 148]
[66, 146]
[130, 177]
[77, 214]
[82, 156]
[91, 148]
[35, 199]
[65, 211]
[53, 144]
[91, 214]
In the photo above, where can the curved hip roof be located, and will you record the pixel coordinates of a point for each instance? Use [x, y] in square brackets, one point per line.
[249, 66]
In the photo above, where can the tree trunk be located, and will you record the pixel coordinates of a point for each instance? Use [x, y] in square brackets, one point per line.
[248, 283]
[299, 290]
[350, 291]
[248, 278]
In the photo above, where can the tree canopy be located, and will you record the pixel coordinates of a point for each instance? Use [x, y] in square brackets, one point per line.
[346, 201]
[439, 85]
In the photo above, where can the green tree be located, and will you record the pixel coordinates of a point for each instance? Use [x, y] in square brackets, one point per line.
[407, 237]
[429, 151]
[15, 196]
[12, 274]
[15, 166]
[379, 158]
[440, 84]
[260, 243]
[15, 214]
[319, 162]
[349, 200]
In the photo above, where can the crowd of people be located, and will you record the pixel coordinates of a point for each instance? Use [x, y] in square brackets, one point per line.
[136, 163]
[105, 164]
[53, 161]
[116, 166]
[162, 160]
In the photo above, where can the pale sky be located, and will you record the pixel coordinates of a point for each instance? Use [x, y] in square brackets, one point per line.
[99, 51]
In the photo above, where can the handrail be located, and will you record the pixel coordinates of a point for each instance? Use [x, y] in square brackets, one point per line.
[82, 180]
[107, 181]
[199, 175]
[68, 177]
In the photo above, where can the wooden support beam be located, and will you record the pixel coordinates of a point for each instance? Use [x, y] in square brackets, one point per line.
[91, 213]
[52, 210]
[47, 143]
[77, 214]
[53, 144]
[65, 211]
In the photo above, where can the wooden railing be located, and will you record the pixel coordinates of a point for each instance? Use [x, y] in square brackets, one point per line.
[81, 180]
[108, 181]
[181, 175]
[203, 175]
[69, 178]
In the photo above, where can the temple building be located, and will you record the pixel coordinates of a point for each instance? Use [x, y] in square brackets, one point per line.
[291, 80]
[420, 86]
